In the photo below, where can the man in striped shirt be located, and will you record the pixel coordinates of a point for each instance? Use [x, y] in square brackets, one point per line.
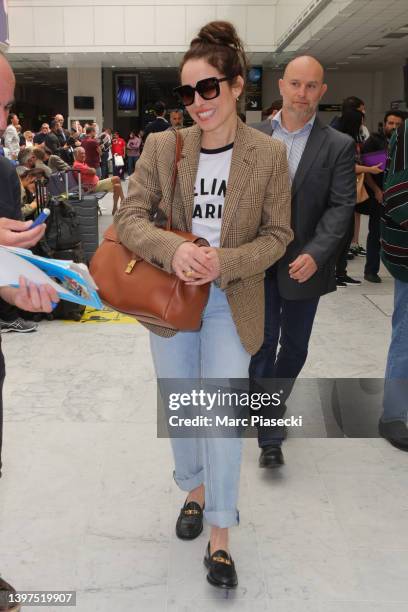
[394, 244]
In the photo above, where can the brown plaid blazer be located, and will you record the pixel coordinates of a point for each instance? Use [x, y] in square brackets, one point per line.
[256, 220]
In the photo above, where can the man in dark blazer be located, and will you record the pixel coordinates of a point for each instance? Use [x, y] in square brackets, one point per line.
[159, 124]
[321, 167]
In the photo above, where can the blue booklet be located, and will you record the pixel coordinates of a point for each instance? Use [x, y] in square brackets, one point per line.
[72, 281]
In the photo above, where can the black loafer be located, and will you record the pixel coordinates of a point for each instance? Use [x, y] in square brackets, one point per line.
[221, 569]
[271, 457]
[190, 521]
[396, 432]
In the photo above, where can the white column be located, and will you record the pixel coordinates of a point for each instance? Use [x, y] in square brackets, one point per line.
[85, 82]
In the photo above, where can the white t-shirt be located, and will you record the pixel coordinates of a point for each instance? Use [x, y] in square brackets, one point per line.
[209, 193]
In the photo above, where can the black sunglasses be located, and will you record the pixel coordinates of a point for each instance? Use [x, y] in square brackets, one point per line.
[208, 89]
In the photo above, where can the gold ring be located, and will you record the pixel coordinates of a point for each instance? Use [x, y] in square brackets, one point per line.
[189, 273]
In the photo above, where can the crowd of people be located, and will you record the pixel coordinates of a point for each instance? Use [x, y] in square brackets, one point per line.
[268, 262]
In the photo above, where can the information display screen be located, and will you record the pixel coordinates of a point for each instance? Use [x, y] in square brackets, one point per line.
[127, 94]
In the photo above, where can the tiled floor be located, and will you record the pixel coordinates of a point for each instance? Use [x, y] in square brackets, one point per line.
[88, 502]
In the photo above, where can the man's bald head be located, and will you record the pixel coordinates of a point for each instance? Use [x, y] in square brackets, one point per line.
[301, 88]
[7, 84]
[305, 63]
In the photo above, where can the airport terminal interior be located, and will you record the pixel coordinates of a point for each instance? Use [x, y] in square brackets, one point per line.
[87, 499]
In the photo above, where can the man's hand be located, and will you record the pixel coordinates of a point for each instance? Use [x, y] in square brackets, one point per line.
[31, 297]
[191, 263]
[302, 268]
[12, 233]
[215, 268]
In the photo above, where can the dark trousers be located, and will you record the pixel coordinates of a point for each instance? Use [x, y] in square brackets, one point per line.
[104, 166]
[341, 264]
[288, 323]
[2, 376]
[131, 163]
[373, 240]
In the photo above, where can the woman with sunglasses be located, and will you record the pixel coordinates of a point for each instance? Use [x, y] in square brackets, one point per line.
[232, 189]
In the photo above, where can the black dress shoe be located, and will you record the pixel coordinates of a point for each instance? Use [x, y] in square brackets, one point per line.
[271, 457]
[396, 432]
[372, 278]
[190, 521]
[221, 569]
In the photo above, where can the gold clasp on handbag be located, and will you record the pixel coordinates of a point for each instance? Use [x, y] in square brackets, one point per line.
[130, 266]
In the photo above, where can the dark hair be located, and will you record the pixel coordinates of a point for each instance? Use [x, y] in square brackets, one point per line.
[10, 117]
[350, 123]
[395, 113]
[351, 103]
[219, 44]
[53, 124]
[276, 105]
[89, 129]
[159, 108]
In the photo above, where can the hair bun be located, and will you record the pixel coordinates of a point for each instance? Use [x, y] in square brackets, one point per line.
[220, 33]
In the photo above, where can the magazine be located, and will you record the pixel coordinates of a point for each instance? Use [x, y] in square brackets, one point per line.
[72, 281]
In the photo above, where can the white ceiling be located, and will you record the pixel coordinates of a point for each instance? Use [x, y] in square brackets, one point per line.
[333, 41]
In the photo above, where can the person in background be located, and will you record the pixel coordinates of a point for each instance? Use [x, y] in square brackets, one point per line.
[28, 201]
[39, 138]
[272, 110]
[132, 151]
[105, 142]
[159, 124]
[176, 119]
[377, 142]
[118, 147]
[52, 139]
[93, 184]
[322, 206]
[11, 137]
[29, 139]
[26, 159]
[40, 158]
[394, 254]
[350, 124]
[92, 150]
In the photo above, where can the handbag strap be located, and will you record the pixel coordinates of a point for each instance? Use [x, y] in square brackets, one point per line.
[177, 158]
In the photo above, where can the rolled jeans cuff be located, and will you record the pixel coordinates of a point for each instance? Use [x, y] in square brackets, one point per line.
[222, 518]
[188, 484]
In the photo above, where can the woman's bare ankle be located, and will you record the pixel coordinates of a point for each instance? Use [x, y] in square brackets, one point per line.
[218, 539]
[197, 495]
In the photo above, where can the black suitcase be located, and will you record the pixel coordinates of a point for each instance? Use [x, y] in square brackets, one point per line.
[86, 209]
[62, 240]
[68, 186]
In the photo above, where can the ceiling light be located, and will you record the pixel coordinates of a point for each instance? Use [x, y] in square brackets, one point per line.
[332, 68]
[342, 63]
[353, 56]
[373, 47]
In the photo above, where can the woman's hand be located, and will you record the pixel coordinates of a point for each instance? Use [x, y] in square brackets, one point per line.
[215, 271]
[191, 263]
[31, 297]
[375, 169]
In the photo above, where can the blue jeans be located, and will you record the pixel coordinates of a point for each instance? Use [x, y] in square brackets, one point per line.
[396, 375]
[131, 163]
[289, 323]
[215, 351]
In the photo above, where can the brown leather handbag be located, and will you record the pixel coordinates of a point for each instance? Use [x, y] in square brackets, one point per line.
[133, 286]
